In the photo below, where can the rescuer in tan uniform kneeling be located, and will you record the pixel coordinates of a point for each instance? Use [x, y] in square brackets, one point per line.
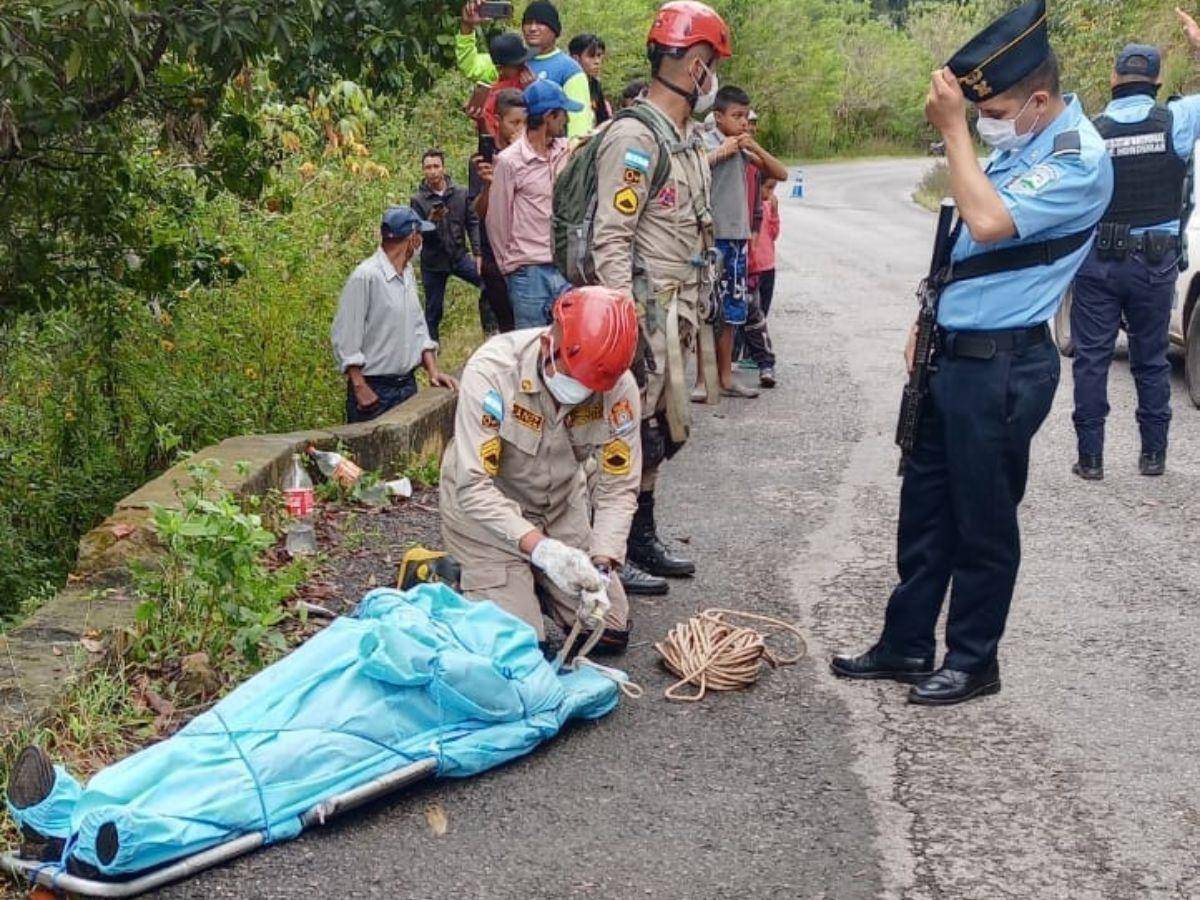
[534, 406]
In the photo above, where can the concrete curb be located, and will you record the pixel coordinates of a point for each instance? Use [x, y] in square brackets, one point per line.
[39, 657]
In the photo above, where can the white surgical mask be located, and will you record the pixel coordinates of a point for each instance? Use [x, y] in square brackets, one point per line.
[566, 390]
[704, 101]
[1001, 134]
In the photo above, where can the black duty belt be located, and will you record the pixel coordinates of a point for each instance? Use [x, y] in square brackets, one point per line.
[1113, 241]
[986, 344]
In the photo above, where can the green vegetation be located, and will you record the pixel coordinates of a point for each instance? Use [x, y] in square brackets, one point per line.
[211, 593]
[185, 185]
[933, 186]
[210, 612]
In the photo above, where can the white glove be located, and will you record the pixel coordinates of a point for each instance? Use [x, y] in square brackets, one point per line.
[570, 569]
[593, 607]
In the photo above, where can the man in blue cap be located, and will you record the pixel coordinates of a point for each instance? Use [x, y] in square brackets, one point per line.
[379, 333]
[521, 203]
[1131, 271]
[1026, 222]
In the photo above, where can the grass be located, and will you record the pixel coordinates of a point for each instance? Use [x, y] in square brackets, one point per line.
[933, 187]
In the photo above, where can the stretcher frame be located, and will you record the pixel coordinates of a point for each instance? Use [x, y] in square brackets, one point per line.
[48, 876]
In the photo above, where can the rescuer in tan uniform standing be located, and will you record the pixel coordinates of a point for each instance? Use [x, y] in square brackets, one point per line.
[535, 405]
[653, 238]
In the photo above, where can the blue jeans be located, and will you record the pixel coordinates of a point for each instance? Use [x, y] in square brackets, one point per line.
[958, 504]
[392, 390]
[1143, 293]
[435, 290]
[532, 291]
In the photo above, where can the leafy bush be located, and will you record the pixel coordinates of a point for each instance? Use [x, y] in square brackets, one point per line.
[210, 593]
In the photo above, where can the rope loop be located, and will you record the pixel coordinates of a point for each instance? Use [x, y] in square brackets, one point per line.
[711, 652]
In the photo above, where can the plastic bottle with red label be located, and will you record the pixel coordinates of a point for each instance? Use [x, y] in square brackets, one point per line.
[298, 497]
[298, 489]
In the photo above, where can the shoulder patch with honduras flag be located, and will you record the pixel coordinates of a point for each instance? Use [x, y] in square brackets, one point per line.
[637, 160]
[493, 405]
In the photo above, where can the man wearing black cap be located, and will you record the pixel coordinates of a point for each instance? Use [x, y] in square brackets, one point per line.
[540, 27]
[1027, 221]
[1131, 270]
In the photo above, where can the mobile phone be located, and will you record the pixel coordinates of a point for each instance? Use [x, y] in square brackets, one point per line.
[487, 147]
[474, 107]
[495, 9]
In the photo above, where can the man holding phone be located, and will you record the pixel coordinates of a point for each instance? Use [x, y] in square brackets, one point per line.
[510, 122]
[445, 253]
[540, 27]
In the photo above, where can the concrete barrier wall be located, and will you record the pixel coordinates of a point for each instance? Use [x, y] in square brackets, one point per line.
[40, 656]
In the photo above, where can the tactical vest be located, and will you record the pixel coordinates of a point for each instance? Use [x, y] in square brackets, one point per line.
[1148, 175]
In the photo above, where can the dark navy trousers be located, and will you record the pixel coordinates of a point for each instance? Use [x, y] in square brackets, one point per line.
[1144, 294]
[958, 504]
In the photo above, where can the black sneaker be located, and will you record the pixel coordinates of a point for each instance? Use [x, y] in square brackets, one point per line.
[766, 377]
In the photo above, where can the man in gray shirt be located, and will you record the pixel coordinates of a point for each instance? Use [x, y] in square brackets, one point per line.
[379, 333]
[731, 148]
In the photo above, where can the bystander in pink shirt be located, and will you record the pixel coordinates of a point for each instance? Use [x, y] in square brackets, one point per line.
[521, 203]
[762, 243]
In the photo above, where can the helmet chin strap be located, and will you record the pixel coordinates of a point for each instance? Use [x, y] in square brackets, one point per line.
[690, 96]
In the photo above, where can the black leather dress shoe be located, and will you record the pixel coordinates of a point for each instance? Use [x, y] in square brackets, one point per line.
[1153, 464]
[643, 584]
[878, 663]
[1089, 468]
[949, 686]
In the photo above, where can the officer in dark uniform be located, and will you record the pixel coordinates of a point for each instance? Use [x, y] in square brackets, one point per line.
[1131, 270]
[1027, 221]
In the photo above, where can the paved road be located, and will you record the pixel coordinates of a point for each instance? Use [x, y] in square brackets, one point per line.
[1079, 780]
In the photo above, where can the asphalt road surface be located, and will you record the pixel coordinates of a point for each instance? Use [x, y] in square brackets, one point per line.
[1079, 780]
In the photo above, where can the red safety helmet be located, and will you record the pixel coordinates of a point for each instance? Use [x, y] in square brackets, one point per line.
[599, 335]
[685, 23]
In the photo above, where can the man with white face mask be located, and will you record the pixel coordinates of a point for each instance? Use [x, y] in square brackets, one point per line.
[1027, 221]
[535, 406]
[656, 245]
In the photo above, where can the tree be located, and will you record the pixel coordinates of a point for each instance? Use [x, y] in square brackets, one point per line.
[88, 86]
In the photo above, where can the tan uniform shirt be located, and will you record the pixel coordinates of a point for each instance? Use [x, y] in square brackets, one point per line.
[666, 230]
[516, 462]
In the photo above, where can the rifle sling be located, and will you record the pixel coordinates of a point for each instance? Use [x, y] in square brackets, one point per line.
[1012, 259]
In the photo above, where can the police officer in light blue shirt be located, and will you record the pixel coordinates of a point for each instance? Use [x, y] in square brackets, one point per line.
[1131, 271]
[1027, 219]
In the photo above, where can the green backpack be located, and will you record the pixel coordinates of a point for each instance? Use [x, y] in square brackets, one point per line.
[575, 197]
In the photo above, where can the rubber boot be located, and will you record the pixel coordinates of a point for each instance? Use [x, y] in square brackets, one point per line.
[649, 553]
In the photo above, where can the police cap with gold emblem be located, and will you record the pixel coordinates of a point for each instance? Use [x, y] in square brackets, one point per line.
[1002, 54]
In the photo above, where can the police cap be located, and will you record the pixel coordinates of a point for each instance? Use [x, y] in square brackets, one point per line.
[1003, 53]
[1140, 60]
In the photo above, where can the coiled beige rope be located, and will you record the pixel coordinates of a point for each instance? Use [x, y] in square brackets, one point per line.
[711, 653]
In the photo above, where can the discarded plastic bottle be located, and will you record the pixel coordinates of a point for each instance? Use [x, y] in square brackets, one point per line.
[298, 489]
[301, 539]
[298, 496]
[336, 467]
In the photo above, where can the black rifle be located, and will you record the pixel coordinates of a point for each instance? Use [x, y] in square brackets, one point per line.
[929, 294]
